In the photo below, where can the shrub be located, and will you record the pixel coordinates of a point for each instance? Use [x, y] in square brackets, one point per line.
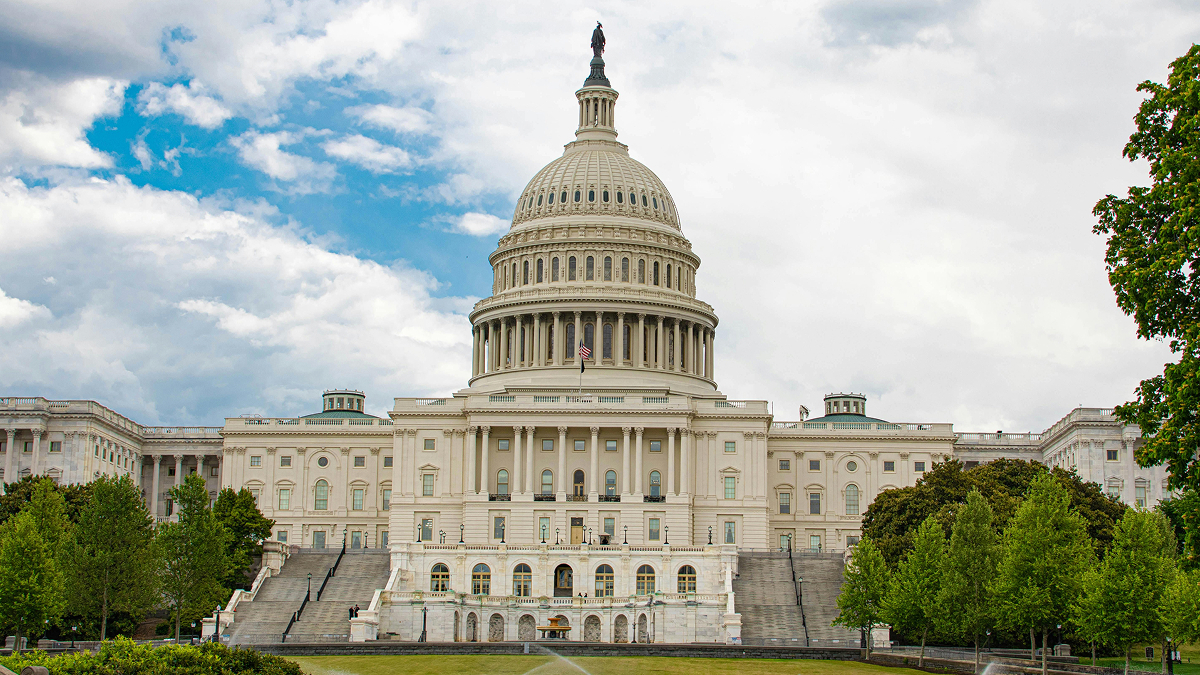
[125, 657]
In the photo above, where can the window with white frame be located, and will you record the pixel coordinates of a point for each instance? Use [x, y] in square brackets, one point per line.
[814, 503]
[730, 532]
[426, 485]
[255, 460]
[387, 499]
[357, 496]
[785, 502]
[730, 487]
[285, 499]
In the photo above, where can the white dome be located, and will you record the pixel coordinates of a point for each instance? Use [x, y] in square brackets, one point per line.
[587, 173]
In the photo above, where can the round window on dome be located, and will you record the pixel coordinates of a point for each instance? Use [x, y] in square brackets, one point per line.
[851, 466]
[539, 200]
[591, 195]
[563, 197]
[550, 198]
[577, 195]
[620, 197]
[322, 462]
[604, 196]
[644, 201]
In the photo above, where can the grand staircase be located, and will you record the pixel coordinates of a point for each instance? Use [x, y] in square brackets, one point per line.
[765, 596]
[359, 574]
[821, 581]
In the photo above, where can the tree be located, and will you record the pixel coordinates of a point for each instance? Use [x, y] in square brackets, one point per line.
[113, 565]
[865, 581]
[194, 554]
[30, 581]
[1153, 262]
[965, 599]
[911, 602]
[1120, 602]
[238, 513]
[1183, 512]
[18, 495]
[1046, 552]
[1179, 609]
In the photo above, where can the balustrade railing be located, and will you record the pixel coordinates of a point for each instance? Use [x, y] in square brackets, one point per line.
[494, 497]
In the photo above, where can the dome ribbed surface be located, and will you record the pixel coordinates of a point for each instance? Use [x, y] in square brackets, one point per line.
[607, 167]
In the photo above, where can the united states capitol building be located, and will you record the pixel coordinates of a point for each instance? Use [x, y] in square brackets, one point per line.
[619, 498]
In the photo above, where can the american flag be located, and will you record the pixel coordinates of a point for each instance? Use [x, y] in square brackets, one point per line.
[584, 352]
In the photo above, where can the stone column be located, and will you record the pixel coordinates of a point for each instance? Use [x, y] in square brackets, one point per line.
[469, 485]
[562, 461]
[619, 341]
[750, 484]
[200, 467]
[504, 344]
[529, 434]
[556, 340]
[573, 348]
[595, 461]
[493, 346]
[35, 470]
[670, 462]
[685, 465]
[12, 459]
[710, 481]
[708, 355]
[539, 349]
[485, 478]
[517, 483]
[640, 343]
[154, 487]
[660, 346]
[179, 470]
[625, 460]
[677, 348]
[637, 462]
[474, 351]
[411, 443]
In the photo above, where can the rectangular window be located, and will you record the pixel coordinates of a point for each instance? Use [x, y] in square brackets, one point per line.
[254, 493]
[547, 445]
[387, 462]
[889, 467]
[427, 529]
[356, 539]
[55, 446]
[285, 460]
[1114, 491]
[785, 465]
[611, 446]
[814, 465]
[730, 446]
[544, 527]
[785, 502]
[498, 527]
[654, 529]
[814, 503]
[358, 499]
[852, 540]
[28, 446]
[255, 460]
[387, 499]
[170, 471]
[281, 536]
[426, 485]
[1139, 497]
[655, 446]
[919, 467]
[730, 487]
[431, 444]
[730, 532]
[1112, 454]
[970, 464]
[285, 499]
[502, 445]
[360, 462]
[383, 538]
[610, 526]
[579, 446]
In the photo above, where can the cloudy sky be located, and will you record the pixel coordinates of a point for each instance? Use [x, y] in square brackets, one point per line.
[224, 207]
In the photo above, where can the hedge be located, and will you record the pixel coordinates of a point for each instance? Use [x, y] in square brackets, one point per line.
[123, 656]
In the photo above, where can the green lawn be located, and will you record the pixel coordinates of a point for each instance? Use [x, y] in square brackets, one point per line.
[548, 665]
[1189, 653]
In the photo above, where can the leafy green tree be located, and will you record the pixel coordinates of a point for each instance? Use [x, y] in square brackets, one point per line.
[1046, 552]
[194, 553]
[1183, 512]
[30, 581]
[1179, 609]
[1153, 261]
[238, 513]
[965, 598]
[911, 603]
[113, 564]
[860, 602]
[18, 495]
[1120, 601]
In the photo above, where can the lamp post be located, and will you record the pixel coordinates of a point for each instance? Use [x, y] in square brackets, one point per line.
[556, 536]
[543, 534]
[710, 535]
[666, 535]
[418, 533]
[424, 613]
[74, 629]
[589, 536]
[626, 529]
[441, 536]
[308, 594]
[502, 532]
[461, 529]
[343, 537]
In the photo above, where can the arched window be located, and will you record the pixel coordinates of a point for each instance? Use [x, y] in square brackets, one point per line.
[321, 503]
[439, 578]
[625, 341]
[624, 269]
[577, 479]
[563, 197]
[645, 580]
[677, 272]
[852, 500]
[554, 270]
[644, 203]
[610, 483]
[589, 337]
[539, 200]
[655, 199]
[547, 482]
[604, 196]
[591, 195]
[504, 279]
[668, 275]
[604, 579]
[522, 580]
[655, 484]
[687, 579]
[502, 482]
[481, 580]
[620, 197]
[655, 277]
[633, 199]
[550, 200]
[570, 351]
[577, 195]
[590, 272]
[641, 271]
[540, 264]
[514, 274]
[608, 340]
[525, 276]
[571, 268]
[608, 268]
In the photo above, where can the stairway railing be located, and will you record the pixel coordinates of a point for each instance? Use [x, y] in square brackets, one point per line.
[332, 571]
[799, 597]
[295, 617]
[304, 603]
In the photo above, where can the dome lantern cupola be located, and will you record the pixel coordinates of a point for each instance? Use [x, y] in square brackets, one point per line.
[845, 404]
[597, 98]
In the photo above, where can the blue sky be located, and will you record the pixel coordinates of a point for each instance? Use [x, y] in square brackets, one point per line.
[219, 208]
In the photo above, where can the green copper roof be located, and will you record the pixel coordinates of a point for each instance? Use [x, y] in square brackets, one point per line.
[342, 413]
[843, 417]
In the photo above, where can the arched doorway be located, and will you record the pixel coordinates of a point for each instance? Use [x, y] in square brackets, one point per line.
[525, 628]
[621, 629]
[496, 628]
[591, 629]
[472, 628]
[643, 630]
[564, 582]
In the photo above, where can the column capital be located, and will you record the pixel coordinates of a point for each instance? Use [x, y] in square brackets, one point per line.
[517, 430]
[904, 455]
[460, 432]
[486, 428]
[11, 433]
[639, 430]
[472, 429]
[747, 435]
[157, 459]
[555, 314]
[301, 451]
[530, 429]
[626, 430]
[37, 433]
[641, 316]
[760, 434]
[270, 451]
[375, 450]
[238, 450]
[562, 430]
[345, 451]
[595, 430]
[712, 434]
[447, 432]
[672, 430]
[411, 432]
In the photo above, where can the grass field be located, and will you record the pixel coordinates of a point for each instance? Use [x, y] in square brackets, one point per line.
[550, 665]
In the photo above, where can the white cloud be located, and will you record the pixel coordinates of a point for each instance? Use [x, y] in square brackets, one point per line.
[263, 151]
[368, 153]
[406, 120]
[43, 124]
[182, 312]
[480, 224]
[188, 100]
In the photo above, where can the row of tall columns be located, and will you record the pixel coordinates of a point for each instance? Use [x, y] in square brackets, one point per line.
[524, 341]
[524, 475]
[12, 459]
